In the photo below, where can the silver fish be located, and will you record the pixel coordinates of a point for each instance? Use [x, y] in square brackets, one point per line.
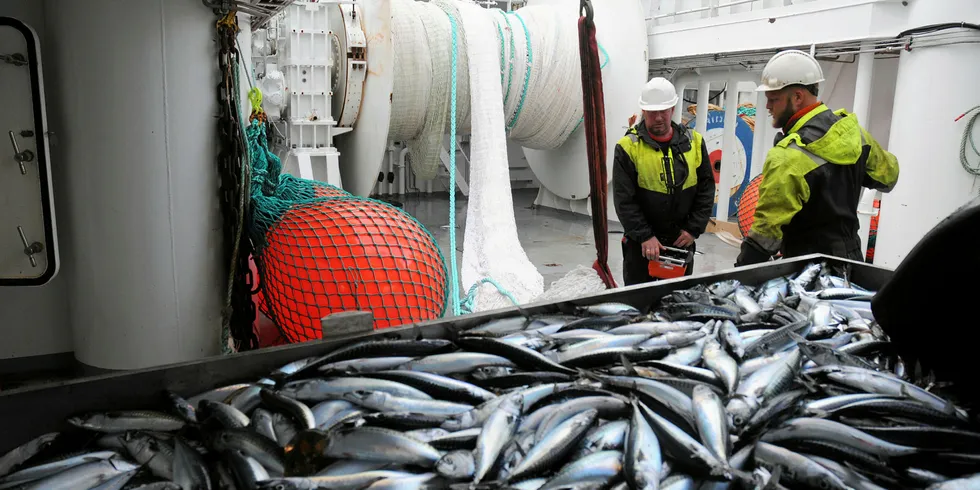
[723, 289]
[601, 466]
[25, 451]
[684, 449]
[457, 465]
[555, 445]
[498, 429]
[732, 340]
[720, 363]
[797, 468]
[605, 437]
[351, 466]
[123, 421]
[607, 406]
[580, 348]
[851, 478]
[157, 456]
[364, 365]
[378, 444]
[53, 467]
[87, 475]
[712, 422]
[643, 460]
[341, 482]
[318, 390]
[386, 402]
[457, 362]
[837, 433]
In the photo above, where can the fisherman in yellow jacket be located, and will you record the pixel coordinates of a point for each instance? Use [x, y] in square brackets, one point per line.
[813, 176]
[663, 187]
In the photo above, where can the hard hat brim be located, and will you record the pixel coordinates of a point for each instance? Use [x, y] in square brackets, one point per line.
[771, 88]
[654, 108]
[659, 107]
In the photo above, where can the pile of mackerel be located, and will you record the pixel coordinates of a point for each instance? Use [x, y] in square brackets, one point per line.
[786, 384]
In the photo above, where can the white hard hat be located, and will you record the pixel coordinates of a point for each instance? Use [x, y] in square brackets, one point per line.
[791, 67]
[658, 95]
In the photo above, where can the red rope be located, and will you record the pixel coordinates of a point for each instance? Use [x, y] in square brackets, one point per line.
[595, 138]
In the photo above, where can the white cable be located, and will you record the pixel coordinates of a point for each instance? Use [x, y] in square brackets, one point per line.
[580, 281]
[551, 106]
[491, 247]
[413, 63]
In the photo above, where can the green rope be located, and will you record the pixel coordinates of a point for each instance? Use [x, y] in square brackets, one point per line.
[454, 277]
[467, 304]
[527, 74]
[513, 48]
[530, 60]
[746, 111]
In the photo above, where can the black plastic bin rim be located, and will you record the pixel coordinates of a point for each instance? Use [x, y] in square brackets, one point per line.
[28, 412]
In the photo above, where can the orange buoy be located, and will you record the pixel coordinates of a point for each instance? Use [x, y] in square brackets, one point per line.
[349, 253]
[746, 205]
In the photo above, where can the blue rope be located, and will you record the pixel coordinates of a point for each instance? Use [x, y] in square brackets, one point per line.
[527, 74]
[467, 304]
[510, 62]
[452, 175]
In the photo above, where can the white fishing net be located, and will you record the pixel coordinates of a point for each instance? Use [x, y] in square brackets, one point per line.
[420, 98]
[551, 108]
[491, 247]
[580, 281]
[518, 75]
[412, 63]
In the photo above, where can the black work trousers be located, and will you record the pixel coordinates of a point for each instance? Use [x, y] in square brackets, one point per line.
[636, 266]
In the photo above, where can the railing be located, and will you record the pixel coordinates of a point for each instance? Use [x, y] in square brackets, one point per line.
[664, 12]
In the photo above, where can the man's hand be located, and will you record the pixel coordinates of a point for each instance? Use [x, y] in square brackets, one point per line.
[685, 240]
[651, 249]
[632, 121]
[750, 254]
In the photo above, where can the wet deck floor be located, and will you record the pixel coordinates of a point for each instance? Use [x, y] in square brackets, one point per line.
[555, 241]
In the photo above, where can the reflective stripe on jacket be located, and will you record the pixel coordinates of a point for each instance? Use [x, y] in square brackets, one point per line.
[812, 182]
[657, 199]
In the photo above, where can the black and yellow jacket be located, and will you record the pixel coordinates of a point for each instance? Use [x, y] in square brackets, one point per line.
[657, 194]
[811, 187]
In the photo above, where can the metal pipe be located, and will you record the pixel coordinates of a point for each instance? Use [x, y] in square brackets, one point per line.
[717, 76]
[702, 9]
[729, 152]
[701, 115]
[759, 145]
[862, 109]
[862, 87]
[385, 184]
[772, 18]
[402, 156]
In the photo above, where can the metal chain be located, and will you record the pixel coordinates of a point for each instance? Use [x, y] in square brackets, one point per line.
[239, 311]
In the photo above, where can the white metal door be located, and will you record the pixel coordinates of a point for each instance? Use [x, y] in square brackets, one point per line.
[28, 243]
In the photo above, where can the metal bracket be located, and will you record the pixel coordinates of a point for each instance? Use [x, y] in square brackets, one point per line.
[21, 157]
[346, 323]
[16, 59]
[30, 248]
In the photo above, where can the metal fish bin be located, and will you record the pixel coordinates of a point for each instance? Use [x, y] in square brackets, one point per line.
[28, 412]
